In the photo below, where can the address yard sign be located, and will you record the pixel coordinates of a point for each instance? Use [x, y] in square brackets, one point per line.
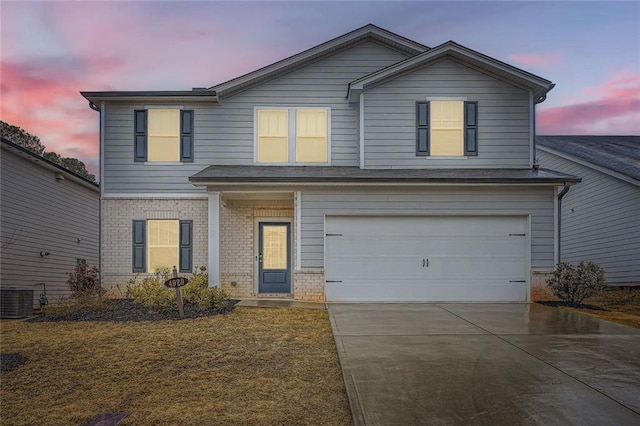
[177, 282]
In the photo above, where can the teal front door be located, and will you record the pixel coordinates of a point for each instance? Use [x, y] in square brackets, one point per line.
[274, 257]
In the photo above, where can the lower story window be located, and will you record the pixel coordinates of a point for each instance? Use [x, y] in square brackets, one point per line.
[162, 247]
[162, 244]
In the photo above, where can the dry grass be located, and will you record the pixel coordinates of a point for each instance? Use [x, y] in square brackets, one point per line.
[622, 305]
[252, 366]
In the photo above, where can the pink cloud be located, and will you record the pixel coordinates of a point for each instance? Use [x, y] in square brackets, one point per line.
[48, 105]
[537, 60]
[614, 109]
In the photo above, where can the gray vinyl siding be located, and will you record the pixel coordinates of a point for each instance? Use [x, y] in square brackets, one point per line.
[600, 220]
[538, 202]
[224, 134]
[44, 215]
[503, 118]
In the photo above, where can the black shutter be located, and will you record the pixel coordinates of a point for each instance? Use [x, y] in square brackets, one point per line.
[471, 128]
[139, 245]
[422, 129]
[140, 135]
[186, 136]
[186, 245]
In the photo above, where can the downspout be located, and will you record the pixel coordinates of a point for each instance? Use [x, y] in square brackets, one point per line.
[560, 195]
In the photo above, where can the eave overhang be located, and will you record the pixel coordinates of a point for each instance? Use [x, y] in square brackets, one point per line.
[206, 96]
[538, 85]
[310, 175]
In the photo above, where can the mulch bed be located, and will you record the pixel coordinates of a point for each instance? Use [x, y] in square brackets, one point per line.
[121, 310]
[557, 304]
[11, 361]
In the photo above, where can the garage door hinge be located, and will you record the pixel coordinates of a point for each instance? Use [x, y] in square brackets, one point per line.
[332, 281]
[518, 281]
[517, 235]
[333, 235]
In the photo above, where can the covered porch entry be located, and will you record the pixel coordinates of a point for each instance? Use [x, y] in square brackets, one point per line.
[255, 242]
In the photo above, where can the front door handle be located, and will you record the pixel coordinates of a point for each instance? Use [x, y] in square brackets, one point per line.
[260, 258]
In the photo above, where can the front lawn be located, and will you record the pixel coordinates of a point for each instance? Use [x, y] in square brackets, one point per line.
[619, 304]
[251, 366]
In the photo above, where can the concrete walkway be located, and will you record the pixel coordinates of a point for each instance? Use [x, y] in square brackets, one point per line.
[486, 364]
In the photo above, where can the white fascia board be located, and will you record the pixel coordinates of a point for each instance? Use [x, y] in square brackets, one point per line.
[586, 163]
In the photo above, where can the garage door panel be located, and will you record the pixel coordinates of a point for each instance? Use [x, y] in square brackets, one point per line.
[445, 292]
[385, 258]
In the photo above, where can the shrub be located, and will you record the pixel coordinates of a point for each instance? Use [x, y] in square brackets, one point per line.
[84, 281]
[197, 291]
[152, 293]
[574, 284]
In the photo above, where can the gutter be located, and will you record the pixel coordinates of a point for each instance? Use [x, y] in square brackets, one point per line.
[560, 196]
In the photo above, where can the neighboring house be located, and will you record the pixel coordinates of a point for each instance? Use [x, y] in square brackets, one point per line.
[49, 222]
[601, 216]
[369, 167]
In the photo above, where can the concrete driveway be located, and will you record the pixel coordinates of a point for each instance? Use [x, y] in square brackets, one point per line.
[485, 364]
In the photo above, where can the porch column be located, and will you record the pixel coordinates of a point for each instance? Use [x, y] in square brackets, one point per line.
[214, 239]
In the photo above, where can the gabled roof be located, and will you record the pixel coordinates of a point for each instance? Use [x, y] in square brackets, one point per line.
[618, 154]
[285, 175]
[368, 32]
[539, 85]
[47, 164]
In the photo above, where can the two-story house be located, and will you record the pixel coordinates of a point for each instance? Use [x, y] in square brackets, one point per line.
[367, 168]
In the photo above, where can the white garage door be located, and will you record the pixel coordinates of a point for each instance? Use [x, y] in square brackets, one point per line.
[435, 259]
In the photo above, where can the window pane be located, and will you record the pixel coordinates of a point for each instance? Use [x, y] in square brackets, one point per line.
[311, 136]
[447, 119]
[446, 142]
[162, 237]
[164, 135]
[274, 247]
[273, 149]
[273, 136]
[163, 148]
[311, 150]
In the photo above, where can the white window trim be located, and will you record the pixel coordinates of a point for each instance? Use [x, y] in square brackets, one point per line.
[164, 107]
[163, 163]
[447, 98]
[292, 132]
[447, 157]
[149, 245]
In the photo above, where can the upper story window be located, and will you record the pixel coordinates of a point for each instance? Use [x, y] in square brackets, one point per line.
[446, 128]
[292, 135]
[163, 135]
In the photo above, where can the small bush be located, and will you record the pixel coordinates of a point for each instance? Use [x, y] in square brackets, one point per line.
[197, 291]
[574, 284]
[84, 281]
[152, 293]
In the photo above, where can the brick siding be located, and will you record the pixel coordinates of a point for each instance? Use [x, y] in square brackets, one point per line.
[118, 215]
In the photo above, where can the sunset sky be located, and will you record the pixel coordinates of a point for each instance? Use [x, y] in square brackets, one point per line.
[50, 51]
